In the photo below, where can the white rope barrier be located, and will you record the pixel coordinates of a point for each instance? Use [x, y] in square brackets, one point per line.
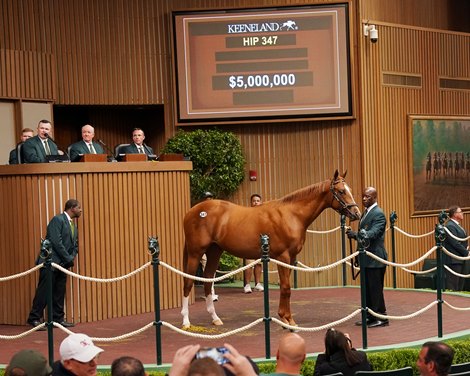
[405, 317]
[456, 308]
[92, 279]
[455, 237]
[417, 261]
[450, 254]
[217, 279]
[324, 232]
[22, 274]
[413, 236]
[318, 269]
[455, 273]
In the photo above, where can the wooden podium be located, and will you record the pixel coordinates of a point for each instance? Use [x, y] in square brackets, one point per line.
[94, 158]
[135, 158]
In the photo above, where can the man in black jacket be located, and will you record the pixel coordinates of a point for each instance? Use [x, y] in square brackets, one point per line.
[456, 247]
[86, 145]
[373, 223]
[63, 235]
[25, 134]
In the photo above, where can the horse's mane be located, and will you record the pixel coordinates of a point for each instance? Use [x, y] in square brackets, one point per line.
[303, 193]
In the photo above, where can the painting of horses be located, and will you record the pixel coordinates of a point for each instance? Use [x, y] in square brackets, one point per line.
[440, 174]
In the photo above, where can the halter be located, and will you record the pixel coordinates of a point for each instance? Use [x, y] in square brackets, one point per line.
[344, 206]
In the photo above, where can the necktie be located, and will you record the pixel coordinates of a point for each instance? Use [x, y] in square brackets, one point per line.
[141, 150]
[72, 228]
[364, 214]
[46, 146]
[92, 149]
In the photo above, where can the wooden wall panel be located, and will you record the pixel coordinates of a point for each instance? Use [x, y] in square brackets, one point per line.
[122, 205]
[385, 128]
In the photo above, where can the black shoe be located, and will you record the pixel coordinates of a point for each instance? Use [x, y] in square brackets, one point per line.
[377, 323]
[35, 323]
[359, 323]
[66, 324]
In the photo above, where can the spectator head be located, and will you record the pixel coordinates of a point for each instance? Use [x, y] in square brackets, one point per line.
[208, 195]
[435, 358]
[79, 355]
[44, 129]
[28, 363]
[256, 200]
[127, 366]
[26, 133]
[138, 136]
[456, 213]
[290, 354]
[205, 367]
[88, 132]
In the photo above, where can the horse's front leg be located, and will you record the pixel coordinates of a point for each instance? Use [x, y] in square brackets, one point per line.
[285, 293]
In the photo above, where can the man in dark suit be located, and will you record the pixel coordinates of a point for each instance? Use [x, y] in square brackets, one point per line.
[86, 145]
[25, 134]
[373, 223]
[35, 149]
[63, 235]
[138, 146]
[457, 247]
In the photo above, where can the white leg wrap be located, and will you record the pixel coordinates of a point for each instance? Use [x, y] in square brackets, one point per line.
[185, 312]
[211, 309]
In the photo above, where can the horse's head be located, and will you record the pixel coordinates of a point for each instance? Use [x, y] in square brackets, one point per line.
[343, 200]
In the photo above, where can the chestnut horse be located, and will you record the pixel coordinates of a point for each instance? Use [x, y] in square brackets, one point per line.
[215, 225]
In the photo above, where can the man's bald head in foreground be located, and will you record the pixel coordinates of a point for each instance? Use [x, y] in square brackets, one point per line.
[291, 353]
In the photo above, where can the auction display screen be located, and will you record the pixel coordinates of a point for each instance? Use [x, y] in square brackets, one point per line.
[262, 63]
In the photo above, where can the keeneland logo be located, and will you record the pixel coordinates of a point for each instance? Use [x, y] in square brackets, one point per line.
[288, 25]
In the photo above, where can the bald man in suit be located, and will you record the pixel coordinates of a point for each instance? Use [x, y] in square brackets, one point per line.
[373, 222]
[86, 145]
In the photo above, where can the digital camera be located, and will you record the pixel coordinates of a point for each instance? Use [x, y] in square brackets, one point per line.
[216, 353]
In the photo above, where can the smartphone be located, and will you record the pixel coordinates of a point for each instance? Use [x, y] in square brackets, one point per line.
[216, 353]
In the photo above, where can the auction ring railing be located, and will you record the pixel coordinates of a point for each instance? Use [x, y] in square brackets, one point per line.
[440, 233]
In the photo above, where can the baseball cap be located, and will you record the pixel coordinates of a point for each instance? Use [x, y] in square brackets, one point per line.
[32, 362]
[78, 346]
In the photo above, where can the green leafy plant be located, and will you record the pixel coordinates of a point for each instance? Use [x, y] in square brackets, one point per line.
[218, 161]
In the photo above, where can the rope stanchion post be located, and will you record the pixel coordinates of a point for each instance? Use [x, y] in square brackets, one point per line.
[46, 254]
[154, 249]
[393, 219]
[440, 236]
[343, 246]
[264, 240]
[362, 241]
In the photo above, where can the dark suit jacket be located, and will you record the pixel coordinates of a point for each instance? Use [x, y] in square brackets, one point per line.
[374, 223]
[13, 157]
[81, 147]
[338, 363]
[64, 245]
[454, 246]
[33, 150]
[132, 149]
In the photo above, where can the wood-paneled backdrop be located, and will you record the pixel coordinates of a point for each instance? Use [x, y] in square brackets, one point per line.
[117, 53]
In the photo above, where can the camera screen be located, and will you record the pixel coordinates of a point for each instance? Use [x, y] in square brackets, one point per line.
[215, 353]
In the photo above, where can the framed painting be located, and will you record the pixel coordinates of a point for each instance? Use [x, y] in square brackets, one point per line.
[440, 163]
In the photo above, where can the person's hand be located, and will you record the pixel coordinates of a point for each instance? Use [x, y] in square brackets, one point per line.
[238, 364]
[351, 234]
[182, 360]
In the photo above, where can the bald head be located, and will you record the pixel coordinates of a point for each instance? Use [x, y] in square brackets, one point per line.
[291, 353]
[369, 196]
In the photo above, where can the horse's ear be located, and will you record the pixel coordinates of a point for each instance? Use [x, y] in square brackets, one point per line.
[336, 175]
[345, 172]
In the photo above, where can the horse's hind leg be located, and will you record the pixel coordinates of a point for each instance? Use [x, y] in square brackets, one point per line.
[213, 257]
[285, 293]
[190, 264]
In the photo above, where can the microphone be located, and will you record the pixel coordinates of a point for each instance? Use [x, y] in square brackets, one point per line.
[110, 152]
[150, 155]
[48, 136]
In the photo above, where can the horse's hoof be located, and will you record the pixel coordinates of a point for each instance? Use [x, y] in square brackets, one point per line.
[217, 322]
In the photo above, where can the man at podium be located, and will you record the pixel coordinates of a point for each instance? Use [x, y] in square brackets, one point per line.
[36, 149]
[138, 146]
[86, 146]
